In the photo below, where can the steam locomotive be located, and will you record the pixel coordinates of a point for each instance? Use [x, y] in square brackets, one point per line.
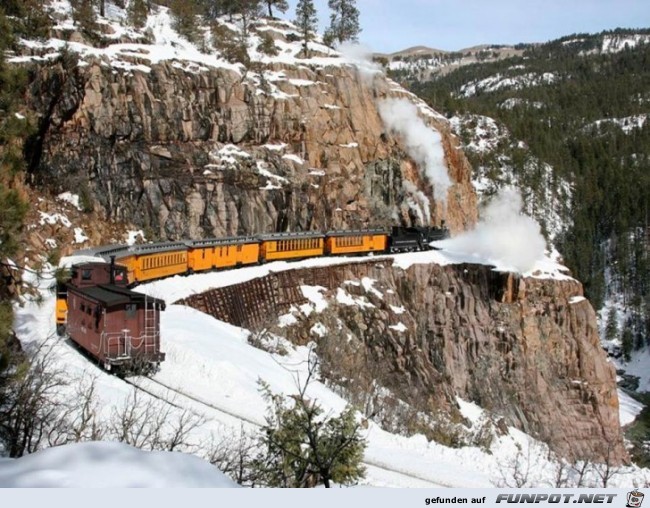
[119, 327]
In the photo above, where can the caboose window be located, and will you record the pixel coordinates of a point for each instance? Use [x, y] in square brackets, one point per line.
[131, 309]
[86, 274]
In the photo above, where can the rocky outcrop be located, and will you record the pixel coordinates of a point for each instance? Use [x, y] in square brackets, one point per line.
[523, 348]
[151, 147]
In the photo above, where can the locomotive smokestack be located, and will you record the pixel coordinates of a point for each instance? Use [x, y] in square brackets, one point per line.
[112, 270]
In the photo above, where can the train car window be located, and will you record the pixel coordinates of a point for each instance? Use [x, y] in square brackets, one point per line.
[88, 310]
[131, 309]
[203, 252]
[83, 308]
[86, 274]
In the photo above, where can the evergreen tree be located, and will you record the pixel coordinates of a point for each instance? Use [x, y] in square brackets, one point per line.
[611, 327]
[83, 14]
[306, 21]
[13, 130]
[137, 13]
[215, 8]
[628, 343]
[344, 21]
[30, 17]
[185, 12]
[301, 447]
[281, 5]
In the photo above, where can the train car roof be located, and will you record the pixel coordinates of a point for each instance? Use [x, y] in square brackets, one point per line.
[111, 295]
[291, 236]
[92, 264]
[149, 248]
[230, 240]
[103, 251]
[120, 251]
[357, 232]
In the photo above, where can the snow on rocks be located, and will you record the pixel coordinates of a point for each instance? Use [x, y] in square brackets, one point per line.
[79, 235]
[501, 82]
[70, 198]
[627, 124]
[54, 218]
[134, 237]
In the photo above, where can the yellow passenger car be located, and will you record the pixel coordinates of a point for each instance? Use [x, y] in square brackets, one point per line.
[356, 242]
[156, 261]
[218, 253]
[291, 245]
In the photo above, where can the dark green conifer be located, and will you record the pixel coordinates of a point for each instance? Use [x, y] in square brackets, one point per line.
[307, 22]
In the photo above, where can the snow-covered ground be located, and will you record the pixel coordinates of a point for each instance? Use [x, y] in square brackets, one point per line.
[104, 464]
[501, 82]
[160, 42]
[212, 371]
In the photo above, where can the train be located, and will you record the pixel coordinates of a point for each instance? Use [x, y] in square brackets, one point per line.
[120, 328]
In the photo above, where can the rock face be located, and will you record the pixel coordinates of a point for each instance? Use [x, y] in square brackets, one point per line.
[153, 149]
[523, 348]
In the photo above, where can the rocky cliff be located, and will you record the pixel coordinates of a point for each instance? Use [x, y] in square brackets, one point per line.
[189, 153]
[525, 349]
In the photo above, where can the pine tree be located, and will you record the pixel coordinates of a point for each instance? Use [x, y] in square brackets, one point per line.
[137, 13]
[215, 8]
[281, 5]
[344, 21]
[30, 17]
[302, 447]
[83, 14]
[628, 343]
[185, 12]
[306, 21]
[12, 212]
[611, 328]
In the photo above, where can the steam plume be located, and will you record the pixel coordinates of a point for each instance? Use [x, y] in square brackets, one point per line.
[504, 236]
[422, 142]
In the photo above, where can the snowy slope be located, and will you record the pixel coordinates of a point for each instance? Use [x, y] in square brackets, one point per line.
[115, 465]
[212, 371]
[159, 42]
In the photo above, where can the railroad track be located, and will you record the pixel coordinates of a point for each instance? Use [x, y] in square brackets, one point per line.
[373, 463]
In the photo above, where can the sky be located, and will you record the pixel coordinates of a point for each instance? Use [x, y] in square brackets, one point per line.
[393, 25]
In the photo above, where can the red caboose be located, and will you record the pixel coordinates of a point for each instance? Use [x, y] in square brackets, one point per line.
[115, 325]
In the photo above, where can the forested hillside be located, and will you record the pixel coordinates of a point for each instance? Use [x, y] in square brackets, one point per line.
[579, 106]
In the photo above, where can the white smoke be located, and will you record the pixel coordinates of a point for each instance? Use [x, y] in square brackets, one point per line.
[418, 202]
[504, 236]
[361, 57]
[422, 142]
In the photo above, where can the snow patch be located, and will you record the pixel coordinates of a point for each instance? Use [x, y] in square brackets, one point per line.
[70, 198]
[106, 464]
